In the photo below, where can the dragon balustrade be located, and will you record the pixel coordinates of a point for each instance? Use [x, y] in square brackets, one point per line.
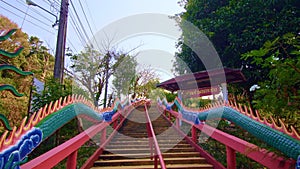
[276, 135]
[16, 145]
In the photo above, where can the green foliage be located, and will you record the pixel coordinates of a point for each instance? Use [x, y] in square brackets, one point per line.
[89, 68]
[40, 60]
[279, 91]
[93, 69]
[196, 102]
[170, 96]
[123, 75]
[144, 90]
[143, 84]
[35, 58]
[236, 27]
[53, 90]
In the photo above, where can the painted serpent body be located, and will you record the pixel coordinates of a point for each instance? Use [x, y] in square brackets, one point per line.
[283, 142]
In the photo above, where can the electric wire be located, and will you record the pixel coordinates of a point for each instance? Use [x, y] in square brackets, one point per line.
[70, 42]
[86, 18]
[77, 31]
[24, 17]
[51, 49]
[56, 5]
[39, 14]
[27, 20]
[89, 25]
[25, 13]
[78, 18]
[34, 10]
[53, 4]
[91, 16]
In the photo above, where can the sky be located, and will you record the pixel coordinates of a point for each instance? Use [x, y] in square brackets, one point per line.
[157, 43]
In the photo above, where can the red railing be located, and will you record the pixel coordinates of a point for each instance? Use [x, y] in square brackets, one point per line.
[90, 162]
[70, 148]
[233, 144]
[153, 141]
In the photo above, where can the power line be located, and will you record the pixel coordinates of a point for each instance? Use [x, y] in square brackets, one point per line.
[50, 47]
[24, 17]
[77, 30]
[89, 25]
[55, 1]
[55, 5]
[34, 10]
[68, 40]
[25, 13]
[86, 4]
[27, 20]
[86, 18]
[82, 27]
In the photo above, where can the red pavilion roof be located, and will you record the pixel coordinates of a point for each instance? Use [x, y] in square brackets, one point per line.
[203, 79]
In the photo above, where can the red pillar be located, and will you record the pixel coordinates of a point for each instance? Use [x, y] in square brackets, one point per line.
[103, 136]
[115, 123]
[194, 134]
[72, 160]
[177, 123]
[231, 162]
[155, 162]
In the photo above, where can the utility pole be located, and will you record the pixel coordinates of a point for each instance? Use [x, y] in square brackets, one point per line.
[106, 78]
[61, 42]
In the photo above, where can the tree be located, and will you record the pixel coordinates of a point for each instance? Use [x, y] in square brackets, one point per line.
[143, 82]
[123, 74]
[32, 58]
[41, 61]
[88, 70]
[53, 90]
[236, 27]
[279, 93]
[93, 70]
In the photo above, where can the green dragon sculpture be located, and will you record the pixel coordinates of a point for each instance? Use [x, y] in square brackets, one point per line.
[277, 136]
[8, 87]
[16, 145]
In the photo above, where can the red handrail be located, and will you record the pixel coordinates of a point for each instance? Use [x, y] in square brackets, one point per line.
[210, 159]
[90, 162]
[233, 144]
[69, 148]
[54, 156]
[152, 134]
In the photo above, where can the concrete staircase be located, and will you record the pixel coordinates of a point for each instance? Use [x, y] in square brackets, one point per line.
[129, 149]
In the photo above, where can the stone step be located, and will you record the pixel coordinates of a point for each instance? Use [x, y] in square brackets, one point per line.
[107, 155]
[147, 149]
[149, 161]
[136, 145]
[128, 139]
[171, 166]
[138, 139]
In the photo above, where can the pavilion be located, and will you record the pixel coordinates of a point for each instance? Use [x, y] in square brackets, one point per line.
[204, 83]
